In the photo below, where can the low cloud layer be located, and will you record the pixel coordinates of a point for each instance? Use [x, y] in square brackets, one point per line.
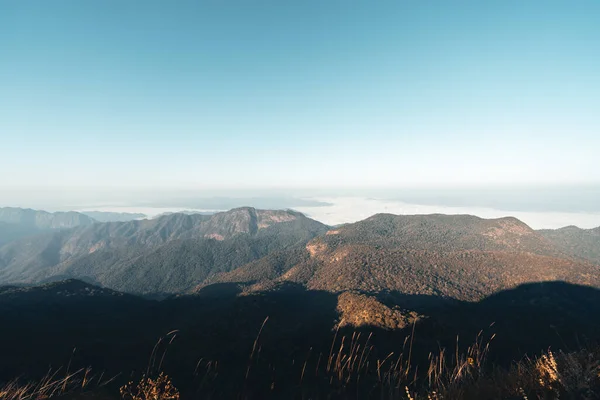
[351, 209]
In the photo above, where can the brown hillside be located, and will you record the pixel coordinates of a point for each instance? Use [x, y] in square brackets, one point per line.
[460, 256]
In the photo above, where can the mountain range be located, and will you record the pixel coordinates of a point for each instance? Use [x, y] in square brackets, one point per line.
[16, 223]
[458, 256]
[221, 286]
[168, 255]
[452, 256]
[109, 216]
[43, 220]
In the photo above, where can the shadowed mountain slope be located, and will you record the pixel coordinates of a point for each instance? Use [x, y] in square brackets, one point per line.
[116, 333]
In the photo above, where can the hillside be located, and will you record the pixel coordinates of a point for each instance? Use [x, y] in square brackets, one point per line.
[581, 243]
[170, 254]
[106, 216]
[459, 256]
[10, 232]
[16, 223]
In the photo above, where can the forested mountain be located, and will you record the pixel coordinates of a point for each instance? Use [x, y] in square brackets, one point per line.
[10, 232]
[16, 223]
[581, 243]
[457, 256]
[169, 254]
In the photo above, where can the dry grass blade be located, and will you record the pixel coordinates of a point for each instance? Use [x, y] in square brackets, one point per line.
[48, 387]
[254, 346]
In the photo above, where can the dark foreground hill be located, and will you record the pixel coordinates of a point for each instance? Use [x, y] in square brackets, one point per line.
[212, 335]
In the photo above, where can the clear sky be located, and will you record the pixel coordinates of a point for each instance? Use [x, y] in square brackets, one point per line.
[250, 93]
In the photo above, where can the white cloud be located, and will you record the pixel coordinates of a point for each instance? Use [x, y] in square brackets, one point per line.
[352, 209]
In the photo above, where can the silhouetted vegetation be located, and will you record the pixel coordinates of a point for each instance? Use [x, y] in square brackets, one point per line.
[214, 349]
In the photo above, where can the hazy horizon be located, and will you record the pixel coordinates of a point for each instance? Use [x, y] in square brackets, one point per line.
[540, 207]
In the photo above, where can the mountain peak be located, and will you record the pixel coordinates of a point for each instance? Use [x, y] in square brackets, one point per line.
[246, 220]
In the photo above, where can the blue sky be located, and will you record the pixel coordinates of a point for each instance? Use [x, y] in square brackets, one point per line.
[249, 93]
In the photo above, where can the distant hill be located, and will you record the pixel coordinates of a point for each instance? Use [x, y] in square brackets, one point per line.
[105, 216]
[188, 212]
[43, 220]
[17, 223]
[170, 254]
[581, 243]
[457, 256]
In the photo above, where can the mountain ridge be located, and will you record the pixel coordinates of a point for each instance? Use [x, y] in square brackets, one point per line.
[456, 256]
[44, 219]
[578, 242]
[154, 251]
[17, 223]
[463, 257]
